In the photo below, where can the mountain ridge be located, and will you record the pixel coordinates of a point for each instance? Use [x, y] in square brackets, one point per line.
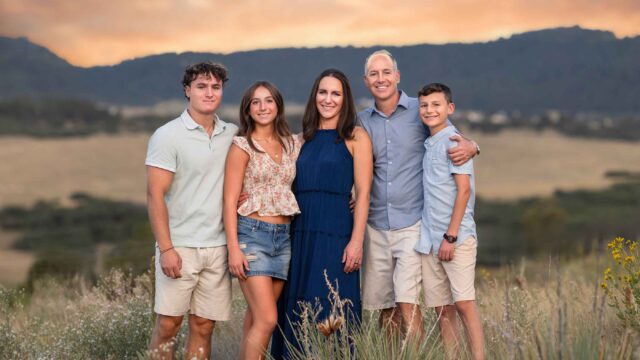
[571, 69]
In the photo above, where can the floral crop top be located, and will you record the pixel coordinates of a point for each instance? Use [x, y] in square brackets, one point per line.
[268, 183]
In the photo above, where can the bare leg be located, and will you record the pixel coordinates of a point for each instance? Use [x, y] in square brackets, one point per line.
[246, 326]
[200, 331]
[412, 320]
[261, 293]
[473, 326]
[448, 330]
[166, 329]
[390, 321]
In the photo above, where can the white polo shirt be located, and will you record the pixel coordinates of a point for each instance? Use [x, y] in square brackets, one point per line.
[194, 200]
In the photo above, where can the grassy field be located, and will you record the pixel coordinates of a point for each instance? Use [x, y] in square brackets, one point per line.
[535, 310]
[513, 164]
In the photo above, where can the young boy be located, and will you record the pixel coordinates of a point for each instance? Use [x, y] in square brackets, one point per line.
[448, 240]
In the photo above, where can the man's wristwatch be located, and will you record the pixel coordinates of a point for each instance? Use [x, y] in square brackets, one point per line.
[450, 238]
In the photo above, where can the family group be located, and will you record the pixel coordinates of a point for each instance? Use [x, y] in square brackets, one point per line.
[376, 205]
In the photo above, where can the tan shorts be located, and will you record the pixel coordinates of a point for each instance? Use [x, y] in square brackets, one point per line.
[391, 268]
[446, 282]
[204, 288]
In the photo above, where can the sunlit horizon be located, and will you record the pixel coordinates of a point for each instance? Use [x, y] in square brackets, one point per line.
[106, 33]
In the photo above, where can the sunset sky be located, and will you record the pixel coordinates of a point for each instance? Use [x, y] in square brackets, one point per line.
[99, 32]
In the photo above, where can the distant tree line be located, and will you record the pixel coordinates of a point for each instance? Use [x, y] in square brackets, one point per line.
[75, 117]
[68, 117]
[97, 234]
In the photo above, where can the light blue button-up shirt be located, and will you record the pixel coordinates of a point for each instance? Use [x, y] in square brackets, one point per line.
[440, 193]
[396, 192]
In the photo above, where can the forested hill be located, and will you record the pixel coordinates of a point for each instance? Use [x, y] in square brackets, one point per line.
[569, 69]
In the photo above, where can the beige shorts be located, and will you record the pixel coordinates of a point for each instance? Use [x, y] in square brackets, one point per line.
[446, 282]
[204, 288]
[391, 268]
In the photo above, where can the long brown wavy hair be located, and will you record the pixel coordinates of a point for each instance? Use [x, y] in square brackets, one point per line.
[280, 126]
[347, 119]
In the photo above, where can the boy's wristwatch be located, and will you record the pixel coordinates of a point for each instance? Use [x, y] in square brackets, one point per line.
[450, 238]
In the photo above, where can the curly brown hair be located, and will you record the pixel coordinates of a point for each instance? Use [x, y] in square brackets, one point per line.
[192, 71]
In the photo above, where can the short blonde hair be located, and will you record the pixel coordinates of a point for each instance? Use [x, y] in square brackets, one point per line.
[381, 52]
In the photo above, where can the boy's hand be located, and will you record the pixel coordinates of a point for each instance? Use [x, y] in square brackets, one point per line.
[242, 198]
[463, 152]
[446, 251]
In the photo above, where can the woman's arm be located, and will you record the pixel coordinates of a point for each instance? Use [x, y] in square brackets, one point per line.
[362, 152]
[235, 167]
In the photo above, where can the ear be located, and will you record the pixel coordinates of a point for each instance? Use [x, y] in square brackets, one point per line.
[398, 76]
[187, 92]
[452, 108]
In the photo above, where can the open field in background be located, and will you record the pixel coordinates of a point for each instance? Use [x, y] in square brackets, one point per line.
[513, 164]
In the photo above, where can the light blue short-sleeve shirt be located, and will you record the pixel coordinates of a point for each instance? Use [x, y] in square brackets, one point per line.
[440, 192]
[194, 200]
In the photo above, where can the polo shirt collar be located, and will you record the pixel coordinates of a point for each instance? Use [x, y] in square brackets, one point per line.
[191, 124]
[442, 134]
[403, 101]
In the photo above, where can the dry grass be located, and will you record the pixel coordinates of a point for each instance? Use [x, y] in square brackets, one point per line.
[539, 311]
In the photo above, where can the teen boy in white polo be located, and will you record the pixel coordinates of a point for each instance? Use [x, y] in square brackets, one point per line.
[185, 166]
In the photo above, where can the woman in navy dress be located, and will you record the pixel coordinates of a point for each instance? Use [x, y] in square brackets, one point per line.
[326, 236]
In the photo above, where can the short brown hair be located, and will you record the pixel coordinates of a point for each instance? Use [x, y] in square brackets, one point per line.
[216, 70]
[436, 88]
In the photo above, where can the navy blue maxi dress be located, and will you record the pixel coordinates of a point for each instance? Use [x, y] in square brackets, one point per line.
[324, 178]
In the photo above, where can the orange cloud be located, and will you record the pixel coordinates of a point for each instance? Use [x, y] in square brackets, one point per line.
[95, 32]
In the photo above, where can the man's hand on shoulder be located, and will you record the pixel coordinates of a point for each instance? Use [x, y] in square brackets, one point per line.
[464, 152]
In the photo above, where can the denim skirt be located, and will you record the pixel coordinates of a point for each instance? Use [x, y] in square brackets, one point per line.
[266, 246]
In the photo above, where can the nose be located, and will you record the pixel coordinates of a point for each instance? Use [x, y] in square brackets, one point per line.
[208, 92]
[261, 106]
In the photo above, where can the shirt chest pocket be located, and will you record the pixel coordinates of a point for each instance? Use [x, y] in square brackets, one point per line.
[439, 169]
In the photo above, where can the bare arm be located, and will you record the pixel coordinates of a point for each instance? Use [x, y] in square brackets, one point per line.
[363, 174]
[158, 183]
[462, 197]
[465, 150]
[235, 167]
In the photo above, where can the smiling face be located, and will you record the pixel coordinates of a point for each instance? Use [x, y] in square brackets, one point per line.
[204, 94]
[329, 98]
[381, 78]
[434, 111]
[263, 108]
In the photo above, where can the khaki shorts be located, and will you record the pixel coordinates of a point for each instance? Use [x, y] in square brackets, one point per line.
[391, 268]
[446, 282]
[204, 288]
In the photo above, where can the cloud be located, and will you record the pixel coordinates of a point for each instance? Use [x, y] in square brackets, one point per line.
[95, 32]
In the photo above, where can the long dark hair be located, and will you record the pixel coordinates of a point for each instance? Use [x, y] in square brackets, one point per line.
[280, 126]
[347, 119]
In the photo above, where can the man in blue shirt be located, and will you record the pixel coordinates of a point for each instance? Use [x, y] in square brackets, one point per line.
[392, 268]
